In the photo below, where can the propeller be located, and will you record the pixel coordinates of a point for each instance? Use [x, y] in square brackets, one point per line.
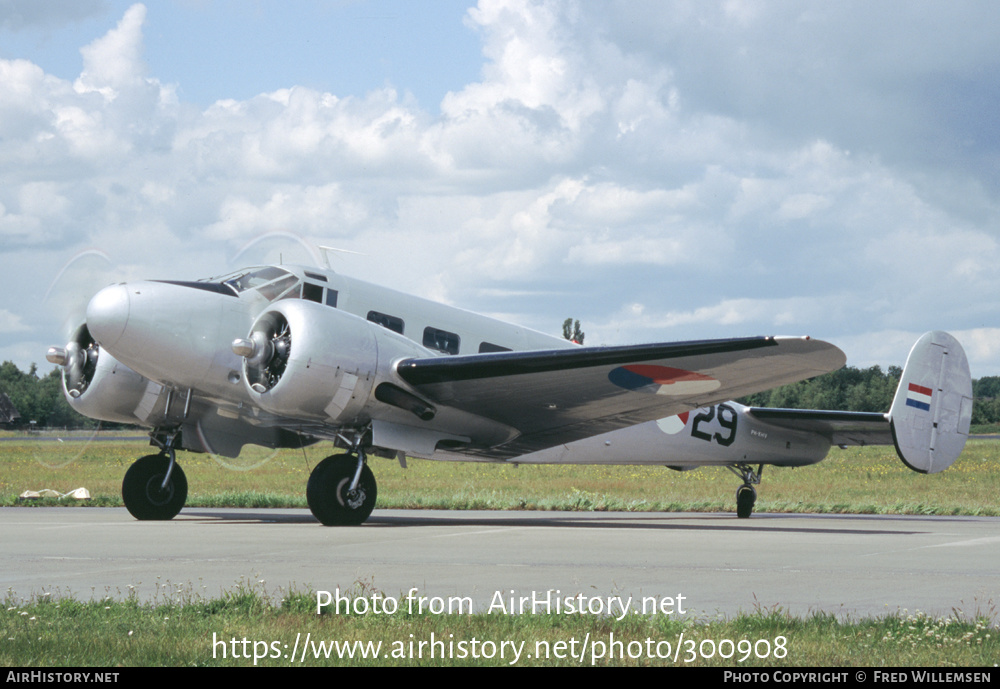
[66, 299]
[276, 246]
[78, 359]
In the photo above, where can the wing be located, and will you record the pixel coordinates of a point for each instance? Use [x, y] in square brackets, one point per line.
[839, 427]
[558, 396]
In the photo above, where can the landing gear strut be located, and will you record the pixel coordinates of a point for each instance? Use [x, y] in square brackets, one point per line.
[746, 495]
[342, 490]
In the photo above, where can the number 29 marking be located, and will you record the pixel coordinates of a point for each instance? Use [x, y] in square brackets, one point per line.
[727, 419]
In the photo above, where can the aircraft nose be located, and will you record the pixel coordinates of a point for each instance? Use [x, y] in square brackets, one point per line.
[107, 314]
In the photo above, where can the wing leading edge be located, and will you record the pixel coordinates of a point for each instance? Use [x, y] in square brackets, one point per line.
[558, 396]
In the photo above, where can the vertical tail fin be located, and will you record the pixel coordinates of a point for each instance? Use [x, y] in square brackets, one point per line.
[932, 409]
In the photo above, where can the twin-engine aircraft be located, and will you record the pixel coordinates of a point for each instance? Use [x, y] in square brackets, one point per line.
[285, 356]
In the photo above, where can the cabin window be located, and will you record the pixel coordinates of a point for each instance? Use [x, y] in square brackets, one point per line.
[386, 321]
[486, 347]
[441, 340]
[312, 292]
[331, 298]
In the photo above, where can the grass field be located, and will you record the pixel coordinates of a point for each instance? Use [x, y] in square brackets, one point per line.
[856, 480]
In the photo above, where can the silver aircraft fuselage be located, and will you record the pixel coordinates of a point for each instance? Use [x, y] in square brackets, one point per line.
[285, 356]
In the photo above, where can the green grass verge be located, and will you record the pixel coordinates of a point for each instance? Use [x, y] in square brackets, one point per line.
[867, 480]
[178, 629]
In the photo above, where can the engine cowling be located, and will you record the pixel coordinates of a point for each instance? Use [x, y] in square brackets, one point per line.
[308, 361]
[95, 383]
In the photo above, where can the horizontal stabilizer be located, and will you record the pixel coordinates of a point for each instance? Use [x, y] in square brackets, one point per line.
[839, 427]
[932, 409]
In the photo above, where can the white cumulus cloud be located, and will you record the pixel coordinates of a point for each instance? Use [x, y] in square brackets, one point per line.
[734, 169]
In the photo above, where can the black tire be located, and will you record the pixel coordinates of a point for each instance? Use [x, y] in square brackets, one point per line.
[746, 496]
[327, 494]
[142, 494]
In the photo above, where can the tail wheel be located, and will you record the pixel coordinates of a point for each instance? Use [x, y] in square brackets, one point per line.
[329, 495]
[143, 492]
[746, 496]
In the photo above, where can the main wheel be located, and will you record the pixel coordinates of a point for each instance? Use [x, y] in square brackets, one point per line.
[329, 497]
[143, 492]
[746, 496]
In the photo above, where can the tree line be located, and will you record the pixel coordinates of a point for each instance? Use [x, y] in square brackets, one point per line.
[869, 389]
[40, 398]
[846, 389]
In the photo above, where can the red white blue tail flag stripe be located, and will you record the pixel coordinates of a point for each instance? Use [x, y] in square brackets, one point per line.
[935, 381]
[918, 396]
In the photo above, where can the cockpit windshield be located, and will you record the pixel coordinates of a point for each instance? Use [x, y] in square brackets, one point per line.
[257, 278]
[271, 282]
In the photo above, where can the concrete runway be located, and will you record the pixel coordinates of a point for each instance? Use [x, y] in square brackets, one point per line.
[843, 564]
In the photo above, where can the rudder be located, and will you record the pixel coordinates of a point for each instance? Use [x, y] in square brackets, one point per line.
[932, 409]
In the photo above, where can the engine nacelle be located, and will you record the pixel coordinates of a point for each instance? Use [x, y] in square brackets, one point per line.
[95, 383]
[308, 361]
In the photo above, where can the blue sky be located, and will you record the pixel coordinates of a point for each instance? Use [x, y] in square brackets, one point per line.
[238, 49]
[659, 170]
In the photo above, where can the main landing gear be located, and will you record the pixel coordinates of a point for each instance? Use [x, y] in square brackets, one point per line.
[154, 487]
[746, 495]
[342, 490]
